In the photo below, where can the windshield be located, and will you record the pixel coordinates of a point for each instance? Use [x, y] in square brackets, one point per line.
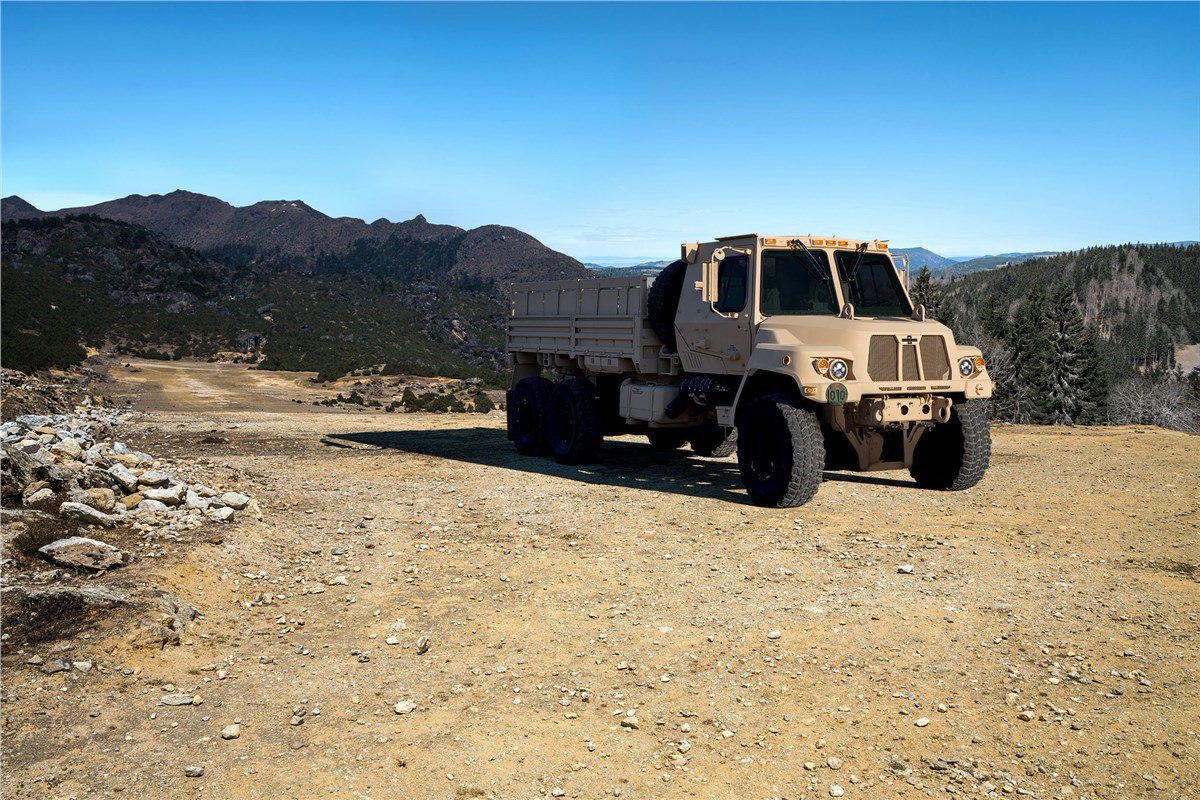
[796, 282]
[870, 283]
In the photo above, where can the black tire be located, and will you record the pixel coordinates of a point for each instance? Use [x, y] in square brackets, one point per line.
[714, 441]
[573, 425]
[662, 302]
[528, 408]
[954, 455]
[780, 452]
[666, 438]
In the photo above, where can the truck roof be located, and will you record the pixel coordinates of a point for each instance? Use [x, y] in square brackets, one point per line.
[809, 240]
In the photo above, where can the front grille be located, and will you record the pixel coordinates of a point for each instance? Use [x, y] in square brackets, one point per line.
[881, 363]
[889, 360]
[934, 358]
[911, 373]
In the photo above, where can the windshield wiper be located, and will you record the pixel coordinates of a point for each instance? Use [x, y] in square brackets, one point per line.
[811, 262]
[862, 251]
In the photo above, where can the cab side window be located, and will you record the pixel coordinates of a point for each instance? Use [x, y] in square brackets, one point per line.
[731, 284]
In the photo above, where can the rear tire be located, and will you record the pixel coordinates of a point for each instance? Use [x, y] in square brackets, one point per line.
[662, 302]
[666, 438]
[573, 425]
[714, 441]
[954, 455]
[780, 452]
[528, 408]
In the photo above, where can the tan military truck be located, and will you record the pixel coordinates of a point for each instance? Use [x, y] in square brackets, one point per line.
[804, 353]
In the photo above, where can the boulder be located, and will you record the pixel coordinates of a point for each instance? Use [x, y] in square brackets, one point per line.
[132, 500]
[152, 505]
[222, 514]
[83, 553]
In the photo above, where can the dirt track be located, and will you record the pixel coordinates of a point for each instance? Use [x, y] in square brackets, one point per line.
[557, 600]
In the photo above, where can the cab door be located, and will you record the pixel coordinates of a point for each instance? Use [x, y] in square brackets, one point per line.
[715, 319]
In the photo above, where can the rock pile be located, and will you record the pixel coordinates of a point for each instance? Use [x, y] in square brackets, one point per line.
[75, 461]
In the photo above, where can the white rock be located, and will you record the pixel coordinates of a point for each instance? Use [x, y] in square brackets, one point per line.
[86, 513]
[905, 569]
[235, 500]
[154, 478]
[170, 495]
[406, 707]
[152, 505]
[68, 449]
[775, 634]
[221, 514]
[231, 731]
[40, 495]
[193, 500]
[124, 477]
[79, 551]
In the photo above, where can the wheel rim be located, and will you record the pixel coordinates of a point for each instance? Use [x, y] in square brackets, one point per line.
[763, 461]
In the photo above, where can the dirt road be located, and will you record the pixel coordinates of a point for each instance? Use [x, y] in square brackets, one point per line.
[634, 628]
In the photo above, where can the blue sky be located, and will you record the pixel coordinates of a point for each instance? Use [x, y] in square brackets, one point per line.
[624, 129]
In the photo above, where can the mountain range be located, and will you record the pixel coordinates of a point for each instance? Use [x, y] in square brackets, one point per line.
[185, 274]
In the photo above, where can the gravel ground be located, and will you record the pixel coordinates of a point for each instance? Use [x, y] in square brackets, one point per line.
[421, 612]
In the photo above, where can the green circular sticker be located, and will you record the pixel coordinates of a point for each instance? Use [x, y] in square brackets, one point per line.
[837, 394]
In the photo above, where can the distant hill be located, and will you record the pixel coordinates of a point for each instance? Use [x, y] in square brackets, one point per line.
[646, 269]
[991, 262]
[1144, 300]
[189, 275]
[919, 257]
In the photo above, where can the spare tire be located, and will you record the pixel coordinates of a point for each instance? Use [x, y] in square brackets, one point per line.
[663, 302]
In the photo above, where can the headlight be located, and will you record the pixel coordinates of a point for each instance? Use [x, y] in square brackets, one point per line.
[970, 365]
[835, 368]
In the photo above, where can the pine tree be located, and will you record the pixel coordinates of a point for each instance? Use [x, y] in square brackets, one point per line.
[1029, 343]
[1094, 388]
[927, 293]
[1065, 366]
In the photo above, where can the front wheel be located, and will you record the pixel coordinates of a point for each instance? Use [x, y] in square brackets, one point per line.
[954, 454]
[573, 427]
[714, 441]
[780, 452]
[666, 438]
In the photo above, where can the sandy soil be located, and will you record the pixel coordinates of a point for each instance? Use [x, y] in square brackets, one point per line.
[633, 628]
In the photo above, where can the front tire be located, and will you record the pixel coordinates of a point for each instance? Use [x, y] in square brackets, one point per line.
[714, 441]
[954, 455]
[780, 452]
[573, 428]
[528, 408]
[666, 438]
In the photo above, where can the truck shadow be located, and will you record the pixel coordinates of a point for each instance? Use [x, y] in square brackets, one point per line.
[627, 461]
